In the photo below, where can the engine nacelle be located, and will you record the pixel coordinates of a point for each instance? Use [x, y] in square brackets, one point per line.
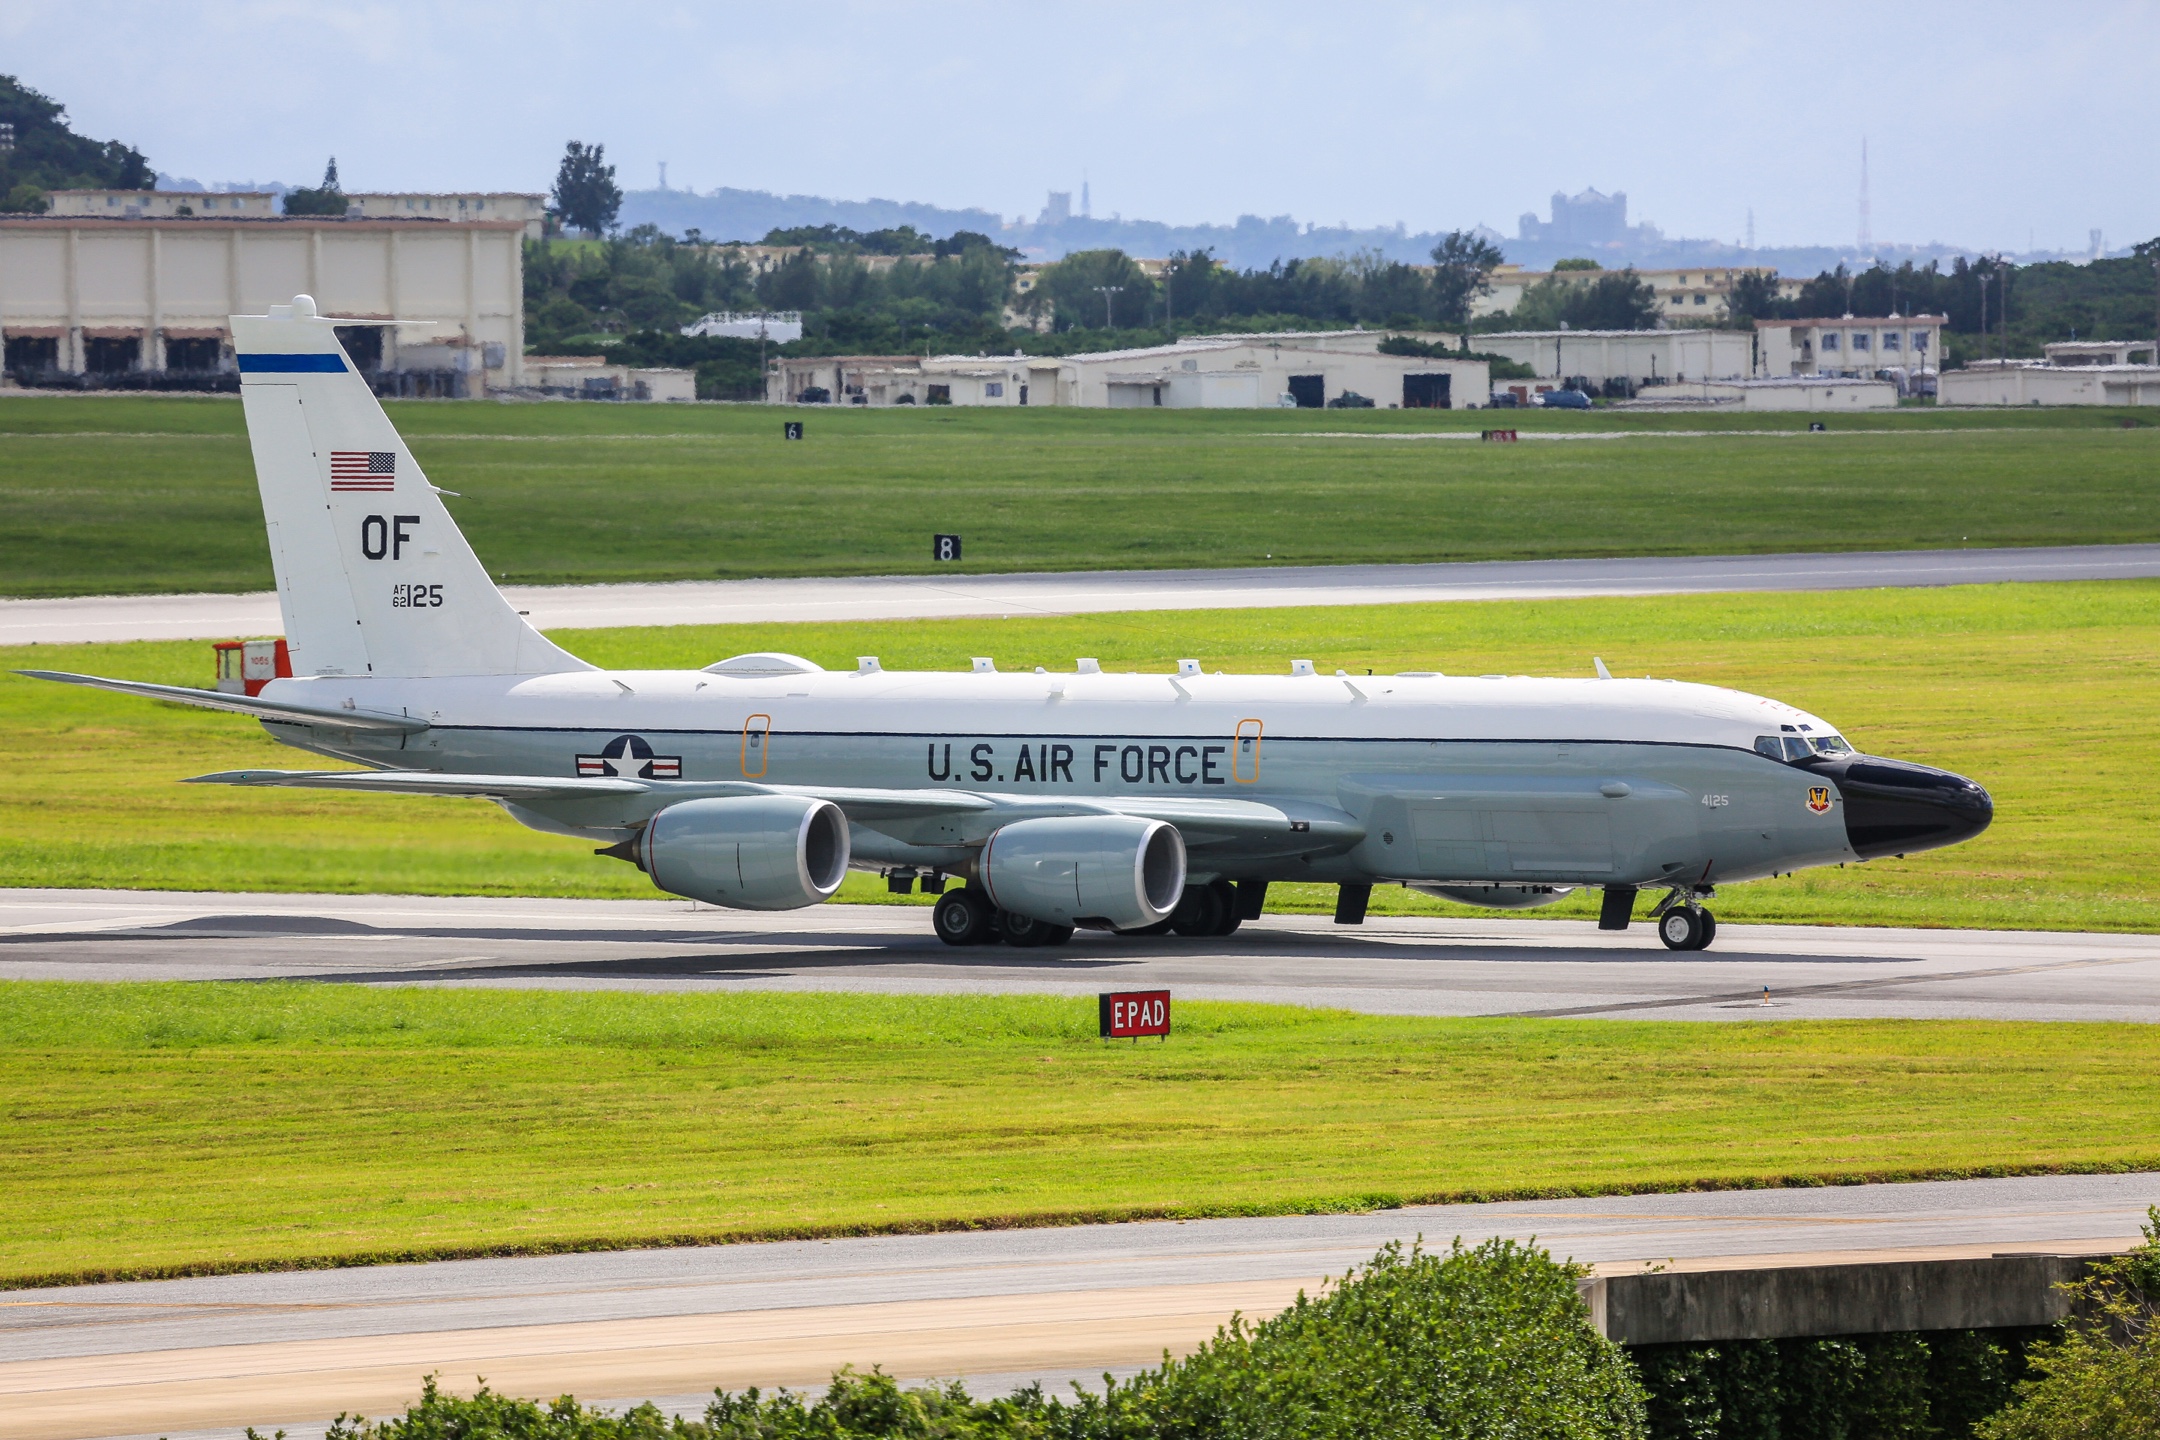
[1075, 869]
[748, 852]
[1499, 897]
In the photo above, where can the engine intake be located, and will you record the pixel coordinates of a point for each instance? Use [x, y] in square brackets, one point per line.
[1086, 869]
[748, 852]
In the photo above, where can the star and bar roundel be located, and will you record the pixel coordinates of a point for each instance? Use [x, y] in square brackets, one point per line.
[630, 757]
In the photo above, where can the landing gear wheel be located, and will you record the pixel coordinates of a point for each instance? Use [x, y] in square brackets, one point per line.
[1685, 928]
[1027, 930]
[1199, 912]
[1709, 930]
[1227, 893]
[964, 917]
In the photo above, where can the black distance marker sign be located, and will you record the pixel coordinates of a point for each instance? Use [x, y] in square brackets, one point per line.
[944, 547]
[791, 430]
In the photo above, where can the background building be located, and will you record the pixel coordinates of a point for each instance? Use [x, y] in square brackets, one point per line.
[91, 300]
[1851, 346]
[2075, 372]
[1208, 372]
[1635, 357]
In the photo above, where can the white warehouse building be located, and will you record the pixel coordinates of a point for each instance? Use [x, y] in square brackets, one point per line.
[1305, 370]
[87, 299]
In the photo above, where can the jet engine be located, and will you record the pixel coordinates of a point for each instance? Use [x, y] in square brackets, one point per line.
[1086, 869]
[1499, 897]
[748, 852]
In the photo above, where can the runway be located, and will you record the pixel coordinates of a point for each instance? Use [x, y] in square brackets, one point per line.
[1401, 966]
[996, 1308]
[901, 597]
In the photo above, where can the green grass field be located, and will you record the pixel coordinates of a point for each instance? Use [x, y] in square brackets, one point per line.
[107, 494]
[207, 1126]
[2042, 692]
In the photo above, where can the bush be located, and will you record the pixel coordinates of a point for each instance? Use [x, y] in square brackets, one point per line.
[1489, 1342]
[2101, 1380]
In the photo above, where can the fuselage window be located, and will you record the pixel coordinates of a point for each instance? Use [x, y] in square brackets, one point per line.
[1769, 745]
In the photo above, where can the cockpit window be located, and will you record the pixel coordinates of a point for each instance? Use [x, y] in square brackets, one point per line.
[1800, 747]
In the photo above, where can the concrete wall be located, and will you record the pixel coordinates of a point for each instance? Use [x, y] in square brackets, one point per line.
[2051, 385]
[155, 280]
[1769, 1303]
[1639, 355]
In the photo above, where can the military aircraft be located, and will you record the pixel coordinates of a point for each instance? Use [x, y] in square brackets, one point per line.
[1126, 802]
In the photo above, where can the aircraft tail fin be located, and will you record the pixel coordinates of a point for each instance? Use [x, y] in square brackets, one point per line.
[373, 576]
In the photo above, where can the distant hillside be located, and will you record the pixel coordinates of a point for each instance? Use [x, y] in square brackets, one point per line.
[1251, 242]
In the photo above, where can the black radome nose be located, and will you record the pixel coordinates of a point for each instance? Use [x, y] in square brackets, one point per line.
[1893, 807]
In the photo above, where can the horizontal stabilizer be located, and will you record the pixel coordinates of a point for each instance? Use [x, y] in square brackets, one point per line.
[274, 711]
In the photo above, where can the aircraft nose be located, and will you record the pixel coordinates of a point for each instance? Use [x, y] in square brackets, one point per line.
[1894, 807]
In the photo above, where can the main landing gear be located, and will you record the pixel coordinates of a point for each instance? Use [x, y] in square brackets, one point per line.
[966, 916]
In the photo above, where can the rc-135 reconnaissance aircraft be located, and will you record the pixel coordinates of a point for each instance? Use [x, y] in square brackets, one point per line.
[1123, 802]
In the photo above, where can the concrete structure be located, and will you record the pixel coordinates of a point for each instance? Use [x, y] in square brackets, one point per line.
[1774, 1302]
[593, 377]
[777, 326]
[1214, 372]
[1689, 293]
[2100, 352]
[1642, 357]
[161, 204]
[110, 299]
[1807, 392]
[1852, 346]
[2024, 382]
[528, 210]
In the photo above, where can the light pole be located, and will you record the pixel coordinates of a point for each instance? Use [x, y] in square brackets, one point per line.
[1984, 278]
[1106, 291]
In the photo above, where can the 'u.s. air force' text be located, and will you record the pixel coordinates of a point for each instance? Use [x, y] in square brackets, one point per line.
[1051, 762]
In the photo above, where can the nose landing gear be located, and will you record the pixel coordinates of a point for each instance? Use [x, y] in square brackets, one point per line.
[1682, 923]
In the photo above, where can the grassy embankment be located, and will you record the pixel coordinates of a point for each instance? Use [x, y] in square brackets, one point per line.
[144, 495]
[2043, 692]
[216, 1126]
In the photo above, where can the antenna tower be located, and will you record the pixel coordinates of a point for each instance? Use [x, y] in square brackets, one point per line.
[1867, 229]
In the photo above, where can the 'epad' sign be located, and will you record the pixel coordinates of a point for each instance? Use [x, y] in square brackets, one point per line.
[1132, 1013]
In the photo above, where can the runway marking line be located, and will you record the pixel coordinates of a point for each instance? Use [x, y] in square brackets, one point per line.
[1828, 988]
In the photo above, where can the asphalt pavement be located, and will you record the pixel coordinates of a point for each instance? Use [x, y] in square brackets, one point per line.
[996, 1308]
[1407, 966]
[905, 597]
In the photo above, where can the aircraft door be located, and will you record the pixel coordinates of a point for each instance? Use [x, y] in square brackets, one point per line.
[1245, 755]
[756, 739]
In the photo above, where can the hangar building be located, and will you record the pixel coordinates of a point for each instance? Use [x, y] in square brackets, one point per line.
[1300, 369]
[91, 300]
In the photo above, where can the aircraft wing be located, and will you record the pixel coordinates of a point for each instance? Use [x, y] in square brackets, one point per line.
[1201, 821]
[284, 714]
[431, 782]
[860, 804]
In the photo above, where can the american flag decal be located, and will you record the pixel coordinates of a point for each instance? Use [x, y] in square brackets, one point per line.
[363, 470]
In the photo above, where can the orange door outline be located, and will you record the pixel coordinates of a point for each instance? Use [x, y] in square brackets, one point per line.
[1245, 758]
[756, 737]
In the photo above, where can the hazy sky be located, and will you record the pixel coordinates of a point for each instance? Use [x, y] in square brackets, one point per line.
[1987, 123]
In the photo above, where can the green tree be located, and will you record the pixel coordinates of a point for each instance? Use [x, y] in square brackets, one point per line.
[586, 195]
[1091, 289]
[47, 155]
[1755, 297]
[324, 199]
[2149, 252]
[1577, 263]
[2101, 1380]
[1463, 264]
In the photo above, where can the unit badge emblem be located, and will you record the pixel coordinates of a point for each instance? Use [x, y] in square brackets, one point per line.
[630, 757]
[1818, 799]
